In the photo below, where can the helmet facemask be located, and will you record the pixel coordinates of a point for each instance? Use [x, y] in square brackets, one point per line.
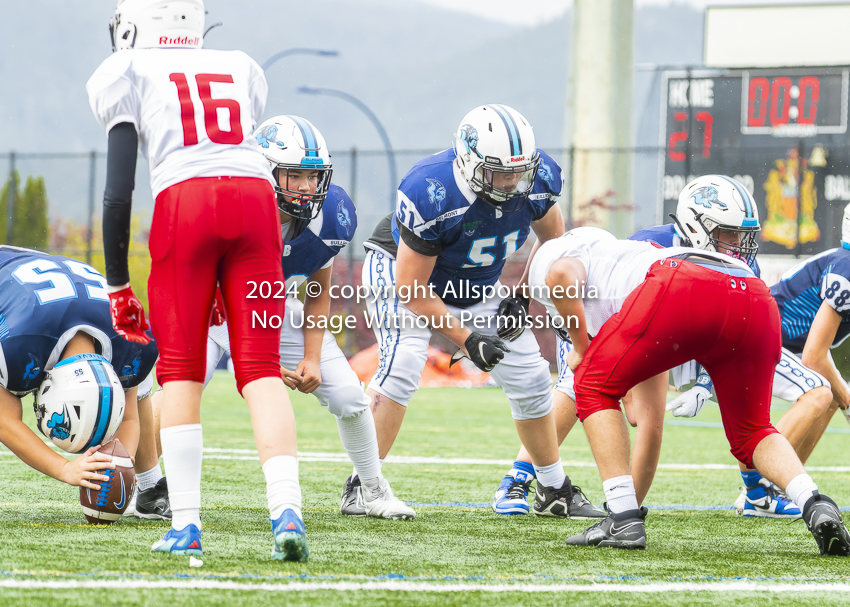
[745, 251]
[301, 205]
[504, 187]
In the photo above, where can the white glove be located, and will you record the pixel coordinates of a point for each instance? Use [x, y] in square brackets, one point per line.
[689, 403]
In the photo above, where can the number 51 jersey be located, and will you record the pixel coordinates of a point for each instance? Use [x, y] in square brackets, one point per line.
[44, 301]
[195, 110]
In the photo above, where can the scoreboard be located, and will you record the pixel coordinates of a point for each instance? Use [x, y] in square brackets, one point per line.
[781, 132]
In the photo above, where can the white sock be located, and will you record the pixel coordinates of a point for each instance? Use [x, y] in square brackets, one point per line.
[620, 494]
[148, 480]
[282, 488]
[552, 475]
[360, 441]
[354, 470]
[801, 489]
[182, 453]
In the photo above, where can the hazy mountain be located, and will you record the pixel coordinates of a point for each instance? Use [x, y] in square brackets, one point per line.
[419, 68]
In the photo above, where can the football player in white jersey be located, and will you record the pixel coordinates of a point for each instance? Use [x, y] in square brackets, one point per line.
[648, 310]
[318, 219]
[194, 111]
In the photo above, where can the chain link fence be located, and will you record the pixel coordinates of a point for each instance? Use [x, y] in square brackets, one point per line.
[642, 196]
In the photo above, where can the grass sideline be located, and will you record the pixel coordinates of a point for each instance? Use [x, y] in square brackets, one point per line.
[50, 555]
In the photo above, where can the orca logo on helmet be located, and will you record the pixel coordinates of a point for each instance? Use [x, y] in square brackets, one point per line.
[268, 135]
[469, 136]
[60, 425]
[707, 196]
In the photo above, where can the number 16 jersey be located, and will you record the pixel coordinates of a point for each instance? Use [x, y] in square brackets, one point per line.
[195, 110]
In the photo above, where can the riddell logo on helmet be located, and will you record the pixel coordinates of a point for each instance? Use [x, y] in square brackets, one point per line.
[184, 41]
[517, 158]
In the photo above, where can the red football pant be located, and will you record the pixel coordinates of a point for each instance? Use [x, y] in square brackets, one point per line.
[205, 231]
[684, 312]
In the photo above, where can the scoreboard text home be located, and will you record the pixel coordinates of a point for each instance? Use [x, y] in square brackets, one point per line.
[781, 132]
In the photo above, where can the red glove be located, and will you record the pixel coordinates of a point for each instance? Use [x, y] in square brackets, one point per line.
[217, 316]
[128, 316]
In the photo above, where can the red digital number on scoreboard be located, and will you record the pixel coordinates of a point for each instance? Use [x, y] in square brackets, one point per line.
[778, 101]
[678, 139]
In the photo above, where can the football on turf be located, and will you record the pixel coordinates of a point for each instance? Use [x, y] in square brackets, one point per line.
[106, 506]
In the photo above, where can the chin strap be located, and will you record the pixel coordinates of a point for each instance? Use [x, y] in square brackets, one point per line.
[686, 242]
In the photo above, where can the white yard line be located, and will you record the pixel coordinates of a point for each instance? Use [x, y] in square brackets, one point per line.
[321, 456]
[439, 587]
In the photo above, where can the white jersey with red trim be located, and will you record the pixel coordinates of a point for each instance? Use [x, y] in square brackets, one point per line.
[614, 268]
[195, 110]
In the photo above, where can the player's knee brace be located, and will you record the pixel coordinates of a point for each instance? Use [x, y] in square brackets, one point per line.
[347, 401]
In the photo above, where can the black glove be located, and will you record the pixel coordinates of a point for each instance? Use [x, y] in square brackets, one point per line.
[485, 351]
[513, 312]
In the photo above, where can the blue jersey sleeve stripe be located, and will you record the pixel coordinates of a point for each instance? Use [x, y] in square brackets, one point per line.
[510, 125]
[310, 141]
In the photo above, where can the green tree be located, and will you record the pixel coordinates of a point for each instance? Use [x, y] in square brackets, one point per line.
[4, 201]
[30, 227]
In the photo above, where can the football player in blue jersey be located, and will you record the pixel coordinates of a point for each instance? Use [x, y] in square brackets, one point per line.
[714, 213]
[461, 213]
[318, 220]
[57, 341]
[814, 303]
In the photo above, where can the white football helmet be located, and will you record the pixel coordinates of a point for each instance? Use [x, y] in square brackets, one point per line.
[845, 228]
[157, 24]
[80, 403]
[716, 201]
[497, 155]
[293, 143]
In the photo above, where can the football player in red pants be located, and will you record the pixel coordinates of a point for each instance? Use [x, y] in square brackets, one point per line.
[215, 222]
[651, 309]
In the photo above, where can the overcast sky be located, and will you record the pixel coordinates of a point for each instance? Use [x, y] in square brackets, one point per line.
[536, 12]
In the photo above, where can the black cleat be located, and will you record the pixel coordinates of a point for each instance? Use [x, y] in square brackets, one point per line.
[625, 530]
[350, 505]
[153, 503]
[568, 501]
[824, 521]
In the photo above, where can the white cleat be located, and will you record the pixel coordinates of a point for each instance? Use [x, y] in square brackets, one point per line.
[380, 502]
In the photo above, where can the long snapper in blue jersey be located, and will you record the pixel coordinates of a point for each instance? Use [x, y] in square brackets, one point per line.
[44, 300]
[323, 238]
[665, 236]
[436, 204]
[824, 278]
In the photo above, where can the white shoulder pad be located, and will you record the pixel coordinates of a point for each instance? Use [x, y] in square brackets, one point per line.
[113, 96]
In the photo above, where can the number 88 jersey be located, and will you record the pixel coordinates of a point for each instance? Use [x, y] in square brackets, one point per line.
[44, 301]
[195, 110]
[824, 278]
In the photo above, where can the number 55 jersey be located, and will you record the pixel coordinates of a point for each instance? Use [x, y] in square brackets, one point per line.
[185, 103]
[44, 301]
[824, 278]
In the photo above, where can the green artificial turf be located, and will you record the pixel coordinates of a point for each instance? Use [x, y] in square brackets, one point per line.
[454, 540]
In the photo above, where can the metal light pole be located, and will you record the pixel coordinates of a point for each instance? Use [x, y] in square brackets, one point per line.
[297, 51]
[309, 90]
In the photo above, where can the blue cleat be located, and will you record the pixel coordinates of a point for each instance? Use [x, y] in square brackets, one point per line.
[512, 495]
[766, 500]
[290, 538]
[186, 542]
